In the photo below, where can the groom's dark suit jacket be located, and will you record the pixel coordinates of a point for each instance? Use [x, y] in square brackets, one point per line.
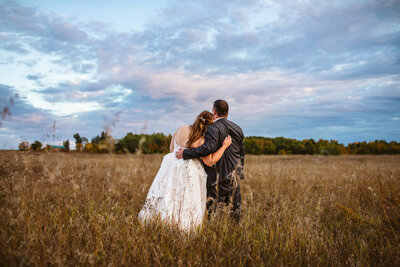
[233, 157]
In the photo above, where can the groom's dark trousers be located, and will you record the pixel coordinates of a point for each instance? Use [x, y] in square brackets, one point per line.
[211, 187]
[223, 181]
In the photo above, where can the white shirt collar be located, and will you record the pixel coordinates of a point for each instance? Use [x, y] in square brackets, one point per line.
[218, 119]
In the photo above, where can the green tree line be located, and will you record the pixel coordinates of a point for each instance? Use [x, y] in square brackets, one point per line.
[281, 146]
[255, 145]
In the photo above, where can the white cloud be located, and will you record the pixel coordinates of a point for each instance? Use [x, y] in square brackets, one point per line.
[277, 62]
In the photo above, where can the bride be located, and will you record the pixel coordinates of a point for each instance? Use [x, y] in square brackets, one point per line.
[178, 192]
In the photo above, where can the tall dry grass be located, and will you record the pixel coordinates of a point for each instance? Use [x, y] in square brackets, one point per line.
[79, 209]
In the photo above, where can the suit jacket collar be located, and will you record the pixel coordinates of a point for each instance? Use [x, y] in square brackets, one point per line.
[220, 118]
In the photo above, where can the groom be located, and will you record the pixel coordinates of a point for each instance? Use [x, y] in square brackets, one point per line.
[223, 179]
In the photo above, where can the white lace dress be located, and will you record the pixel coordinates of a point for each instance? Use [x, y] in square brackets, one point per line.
[178, 192]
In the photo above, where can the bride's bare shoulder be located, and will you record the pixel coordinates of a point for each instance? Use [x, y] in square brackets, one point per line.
[185, 127]
[182, 135]
[182, 129]
[198, 142]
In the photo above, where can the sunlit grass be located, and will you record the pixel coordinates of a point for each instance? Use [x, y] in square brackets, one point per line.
[71, 209]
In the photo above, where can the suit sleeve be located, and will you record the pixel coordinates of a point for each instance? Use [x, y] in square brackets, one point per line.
[242, 152]
[210, 145]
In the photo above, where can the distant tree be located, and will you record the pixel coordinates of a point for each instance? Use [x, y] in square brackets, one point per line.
[78, 146]
[147, 144]
[88, 147]
[269, 147]
[84, 140]
[251, 146]
[96, 140]
[393, 148]
[103, 135]
[23, 146]
[78, 138]
[48, 148]
[103, 143]
[309, 146]
[256, 145]
[99, 138]
[36, 146]
[282, 152]
[78, 142]
[66, 144]
[283, 145]
[156, 143]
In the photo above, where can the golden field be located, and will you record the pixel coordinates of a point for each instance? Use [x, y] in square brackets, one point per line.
[81, 209]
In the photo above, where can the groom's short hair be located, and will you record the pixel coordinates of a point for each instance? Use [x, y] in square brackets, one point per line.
[221, 107]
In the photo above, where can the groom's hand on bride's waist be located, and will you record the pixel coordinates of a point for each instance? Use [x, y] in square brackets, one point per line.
[179, 154]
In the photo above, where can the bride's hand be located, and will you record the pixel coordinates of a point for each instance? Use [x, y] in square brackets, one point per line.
[227, 141]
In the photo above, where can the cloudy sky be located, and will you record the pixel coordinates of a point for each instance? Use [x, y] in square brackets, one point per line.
[298, 69]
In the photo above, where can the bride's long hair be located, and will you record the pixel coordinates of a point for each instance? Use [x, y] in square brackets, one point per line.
[199, 127]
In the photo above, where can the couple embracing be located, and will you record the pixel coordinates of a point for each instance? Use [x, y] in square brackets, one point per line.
[202, 171]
